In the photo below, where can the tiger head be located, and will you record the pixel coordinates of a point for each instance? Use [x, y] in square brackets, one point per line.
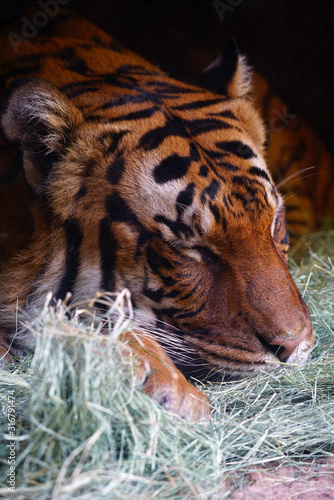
[160, 187]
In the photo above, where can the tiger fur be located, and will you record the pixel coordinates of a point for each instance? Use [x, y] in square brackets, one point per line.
[126, 178]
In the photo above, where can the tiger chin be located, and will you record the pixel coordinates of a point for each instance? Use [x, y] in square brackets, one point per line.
[131, 179]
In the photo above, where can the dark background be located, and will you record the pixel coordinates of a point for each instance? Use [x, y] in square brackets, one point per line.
[290, 42]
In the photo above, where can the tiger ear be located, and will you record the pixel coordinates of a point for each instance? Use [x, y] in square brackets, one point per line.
[38, 120]
[228, 74]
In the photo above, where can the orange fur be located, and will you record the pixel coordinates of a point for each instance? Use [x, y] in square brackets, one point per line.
[137, 180]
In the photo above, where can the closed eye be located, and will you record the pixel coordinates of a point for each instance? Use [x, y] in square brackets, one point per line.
[208, 256]
[200, 254]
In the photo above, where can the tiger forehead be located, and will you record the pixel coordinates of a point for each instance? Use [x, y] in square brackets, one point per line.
[222, 165]
[172, 189]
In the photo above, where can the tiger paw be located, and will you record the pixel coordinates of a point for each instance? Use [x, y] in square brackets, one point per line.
[163, 382]
[171, 390]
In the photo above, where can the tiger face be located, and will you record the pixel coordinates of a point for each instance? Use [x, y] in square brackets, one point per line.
[160, 187]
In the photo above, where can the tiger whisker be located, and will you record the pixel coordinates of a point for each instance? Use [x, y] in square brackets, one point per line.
[295, 174]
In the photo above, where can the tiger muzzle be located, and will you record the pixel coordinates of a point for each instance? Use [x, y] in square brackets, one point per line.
[277, 310]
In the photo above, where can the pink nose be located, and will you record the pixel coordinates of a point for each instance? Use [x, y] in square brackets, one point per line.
[286, 345]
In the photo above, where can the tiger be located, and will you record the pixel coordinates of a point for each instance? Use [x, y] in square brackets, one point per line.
[117, 176]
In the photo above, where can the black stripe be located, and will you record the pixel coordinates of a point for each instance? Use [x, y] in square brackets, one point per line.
[72, 61]
[191, 314]
[200, 126]
[168, 280]
[128, 98]
[81, 193]
[203, 171]
[259, 172]
[131, 69]
[195, 289]
[173, 293]
[73, 236]
[229, 166]
[171, 168]
[194, 153]
[108, 246]
[155, 137]
[238, 148]
[71, 87]
[225, 114]
[177, 227]
[253, 188]
[245, 184]
[115, 170]
[197, 104]
[243, 181]
[119, 211]
[143, 96]
[143, 238]
[185, 199]
[80, 91]
[157, 261]
[215, 212]
[155, 295]
[114, 138]
[171, 312]
[168, 88]
[184, 128]
[209, 163]
[214, 155]
[241, 198]
[218, 156]
[211, 190]
[137, 115]
[121, 81]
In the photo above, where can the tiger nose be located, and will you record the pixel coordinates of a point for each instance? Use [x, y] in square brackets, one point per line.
[286, 345]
